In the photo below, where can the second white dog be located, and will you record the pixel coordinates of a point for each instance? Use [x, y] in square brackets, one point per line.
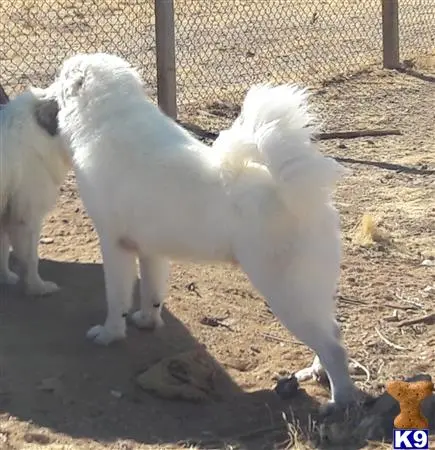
[33, 164]
[260, 197]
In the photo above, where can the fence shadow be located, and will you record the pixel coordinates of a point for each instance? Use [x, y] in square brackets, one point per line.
[50, 375]
[417, 74]
[399, 168]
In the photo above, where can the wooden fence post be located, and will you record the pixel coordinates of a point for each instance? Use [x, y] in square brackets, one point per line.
[390, 34]
[165, 53]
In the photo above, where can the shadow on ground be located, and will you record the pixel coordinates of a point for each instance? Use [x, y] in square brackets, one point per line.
[50, 375]
[399, 168]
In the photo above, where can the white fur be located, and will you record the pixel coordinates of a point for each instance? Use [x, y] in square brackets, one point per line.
[33, 164]
[259, 197]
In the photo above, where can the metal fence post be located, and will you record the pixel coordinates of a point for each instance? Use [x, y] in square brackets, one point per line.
[390, 33]
[165, 54]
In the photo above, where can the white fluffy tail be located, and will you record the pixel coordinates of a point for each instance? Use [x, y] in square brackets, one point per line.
[275, 129]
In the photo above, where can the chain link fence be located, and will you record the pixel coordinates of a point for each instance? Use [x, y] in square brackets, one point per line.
[417, 28]
[222, 46]
[37, 35]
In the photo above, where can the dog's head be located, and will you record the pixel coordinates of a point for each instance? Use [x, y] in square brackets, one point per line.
[86, 77]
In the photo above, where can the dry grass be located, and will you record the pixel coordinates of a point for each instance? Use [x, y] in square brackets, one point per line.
[368, 233]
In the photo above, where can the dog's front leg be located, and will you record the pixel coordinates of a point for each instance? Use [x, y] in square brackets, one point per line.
[154, 273]
[25, 240]
[120, 274]
[6, 275]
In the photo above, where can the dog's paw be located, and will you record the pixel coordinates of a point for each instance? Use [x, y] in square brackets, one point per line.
[339, 407]
[314, 372]
[42, 288]
[146, 321]
[9, 278]
[346, 399]
[103, 335]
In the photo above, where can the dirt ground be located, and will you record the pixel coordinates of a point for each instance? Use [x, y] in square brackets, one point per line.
[58, 391]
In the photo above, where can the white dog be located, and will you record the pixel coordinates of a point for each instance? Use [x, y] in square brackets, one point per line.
[33, 164]
[260, 197]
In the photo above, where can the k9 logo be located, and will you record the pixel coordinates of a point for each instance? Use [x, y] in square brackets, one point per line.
[410, 439]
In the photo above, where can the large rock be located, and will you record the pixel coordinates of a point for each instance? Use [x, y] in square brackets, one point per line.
[188, 376]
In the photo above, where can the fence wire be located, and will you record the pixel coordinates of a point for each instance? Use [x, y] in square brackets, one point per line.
[37, 35]
[222, 46]
[417, 28]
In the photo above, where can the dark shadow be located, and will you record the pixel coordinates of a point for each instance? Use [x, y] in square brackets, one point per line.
[198, 132]
[399, 168]
[416, 74]
[52, 376]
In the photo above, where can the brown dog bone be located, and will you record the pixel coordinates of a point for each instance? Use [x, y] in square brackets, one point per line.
[410, 395]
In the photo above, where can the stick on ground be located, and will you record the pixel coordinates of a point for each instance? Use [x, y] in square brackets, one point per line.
[428, 319]
[356, 134]
[388, 342]
[397, 306]
[201, 133]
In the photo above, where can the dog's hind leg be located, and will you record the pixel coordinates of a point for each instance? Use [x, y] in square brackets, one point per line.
[304, 304]
[25, 239]
[6, 275]
[119, 274]
[316, 371]
[154, 273]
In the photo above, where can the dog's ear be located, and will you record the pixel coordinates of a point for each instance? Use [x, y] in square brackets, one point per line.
[46, 115]
[74, 82]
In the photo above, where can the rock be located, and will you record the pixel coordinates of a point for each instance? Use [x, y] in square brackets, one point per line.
[116, 394]
[287, 387]
[189, 376]
[4, 437]
[46, 240]
[429, 289]
[36, 438]
[428, 262]
[51, 384]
